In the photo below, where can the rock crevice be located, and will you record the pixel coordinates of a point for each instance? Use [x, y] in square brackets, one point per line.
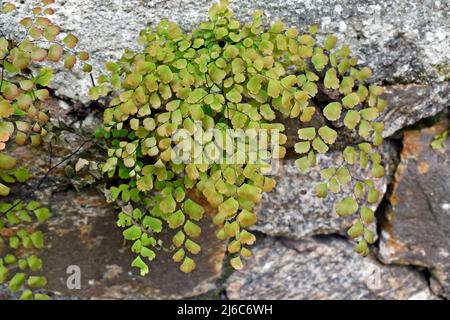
[302, 251]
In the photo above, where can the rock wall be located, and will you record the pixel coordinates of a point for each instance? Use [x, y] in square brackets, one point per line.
[404, 41]
[302, 252]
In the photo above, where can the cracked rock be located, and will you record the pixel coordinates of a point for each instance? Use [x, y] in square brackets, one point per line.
[417, 226]
[322, 268]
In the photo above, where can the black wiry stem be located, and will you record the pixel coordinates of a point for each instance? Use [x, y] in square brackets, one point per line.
[2, 75]
[41, 181]
[92, 79]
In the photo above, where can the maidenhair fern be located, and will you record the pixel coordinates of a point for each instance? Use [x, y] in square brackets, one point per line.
[439, 140]
[19, 241]
[227, 75]
[181, 127]
[26, 71]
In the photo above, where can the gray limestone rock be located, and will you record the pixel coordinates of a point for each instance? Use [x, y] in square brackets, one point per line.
[407, 104]
[321, 268]
[403, 41]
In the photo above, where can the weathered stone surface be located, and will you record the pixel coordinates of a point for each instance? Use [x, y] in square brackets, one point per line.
[293, 209]
[406, 41]
[407, 104]
[417, 226]
[82, 232]
[321, 268]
